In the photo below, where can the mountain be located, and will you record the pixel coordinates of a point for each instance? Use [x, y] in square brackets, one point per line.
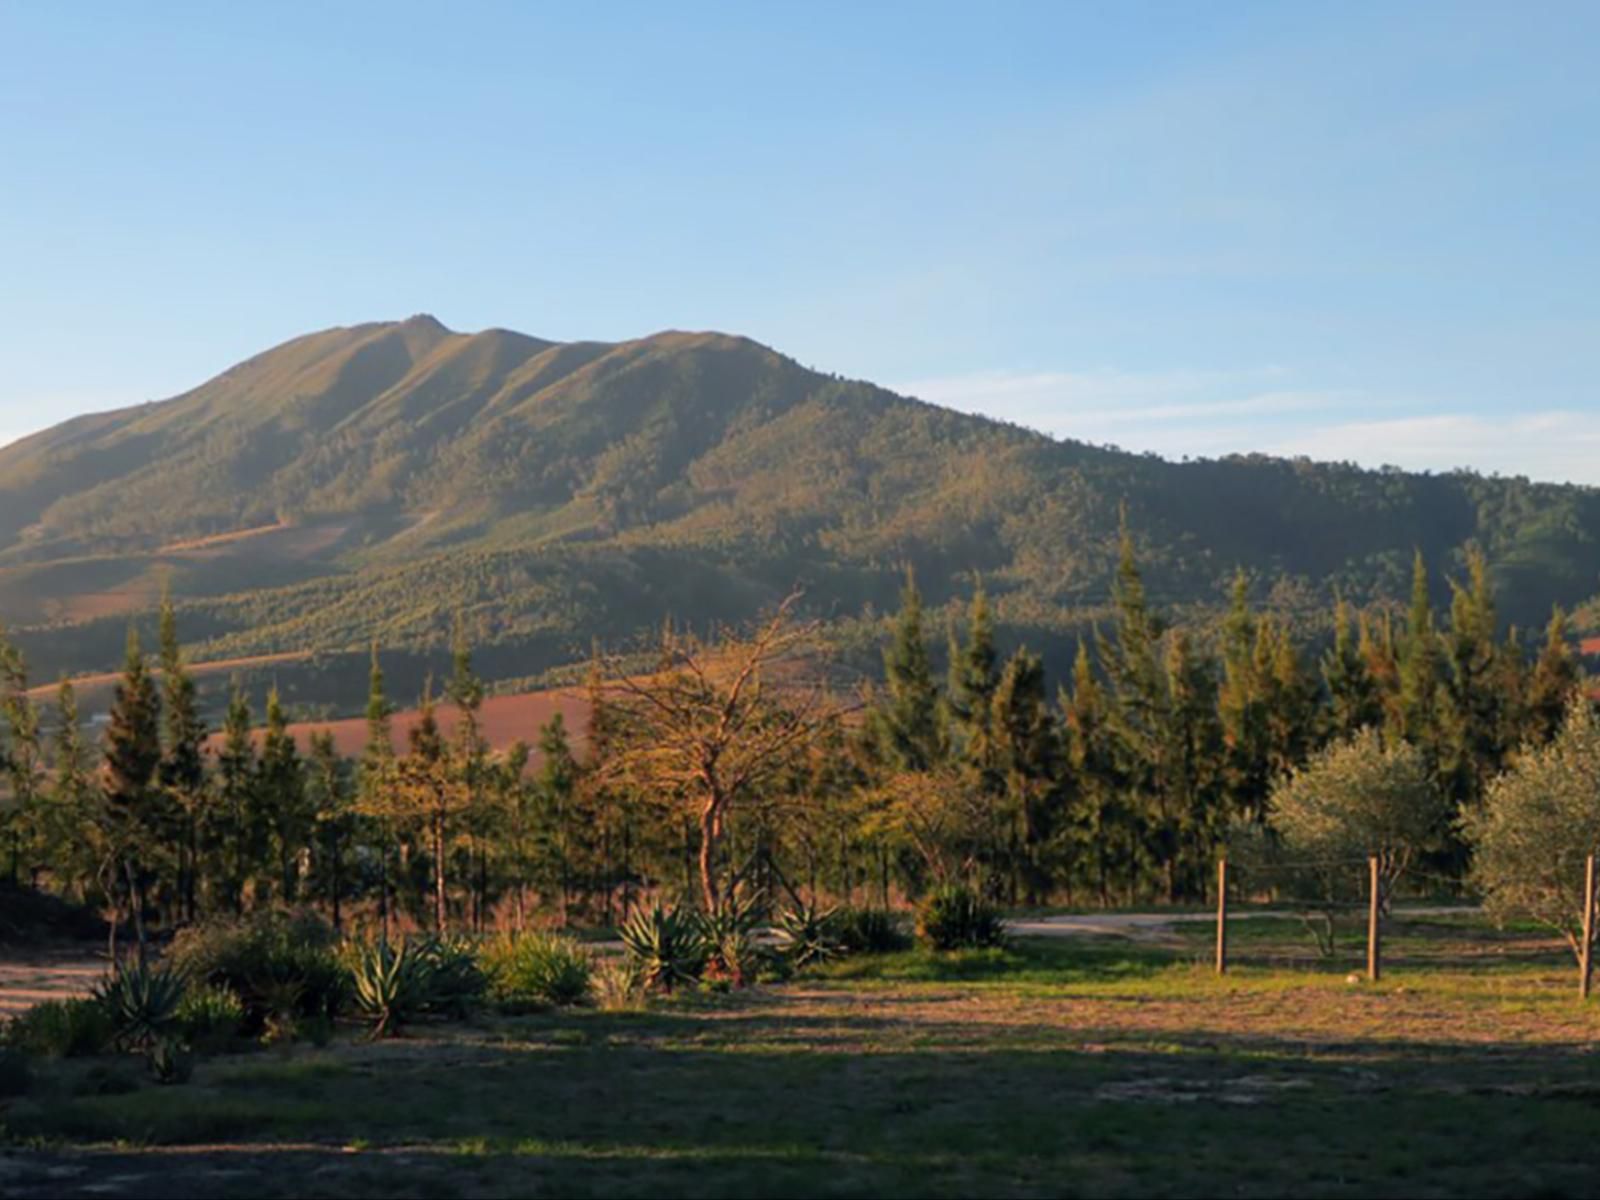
[374, 481]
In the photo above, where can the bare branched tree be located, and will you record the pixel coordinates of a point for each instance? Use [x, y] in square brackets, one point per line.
[721, 720]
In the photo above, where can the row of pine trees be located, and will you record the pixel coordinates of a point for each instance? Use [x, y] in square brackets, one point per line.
[1118, 788]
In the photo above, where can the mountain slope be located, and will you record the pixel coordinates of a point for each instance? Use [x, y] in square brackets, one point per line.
[377, 479]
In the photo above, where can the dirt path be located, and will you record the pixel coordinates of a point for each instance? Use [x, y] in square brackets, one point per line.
[1151, 924]
[27, 977]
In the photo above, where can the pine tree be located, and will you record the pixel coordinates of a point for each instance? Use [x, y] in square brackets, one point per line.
[1471, 724]
[1292, 711]
[1028, 758]
[21, 759]
[1353, 702]
[135, 823]
[74, 827]
[1376, 646]
[283, 796]
[375, 779]
[330, 800]
[1242, 707]
[1419, 669]
[1138, 703]
[906, 726]
[1103, 825]
[236, 838]
[974, 676]
[1551, 682]
[1190, 815]
[471, 756]
[183, 768]
[556, 788]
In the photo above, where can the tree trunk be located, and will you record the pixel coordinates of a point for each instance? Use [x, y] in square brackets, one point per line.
[438, 872]
[709, 828]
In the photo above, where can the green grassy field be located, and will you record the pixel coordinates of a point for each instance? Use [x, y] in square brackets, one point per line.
[1092, 1067]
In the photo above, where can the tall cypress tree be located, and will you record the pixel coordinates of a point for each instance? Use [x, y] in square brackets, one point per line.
[330, 796]
[1419, 668]
[375, 779]
[1471, 724]
[906, 725]
[236, 830]
[1189, 814]
[1551, 681]
[21, 758]
[132, 810]
[1027, 753]
[1138, 700]
[974, 676]
[471, 759]
[283, 797]
[183, 768]
[1102, 822]
[73, 827]
[1242, 707]
[1353, 702]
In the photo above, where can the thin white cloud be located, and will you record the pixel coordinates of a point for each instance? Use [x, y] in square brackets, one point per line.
[1556, 445]
[1190, 414]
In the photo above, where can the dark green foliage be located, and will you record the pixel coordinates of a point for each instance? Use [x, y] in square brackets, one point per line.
[667, 945]
[170, 1061]
[869, 931]
[391, 984]
[210, 1015]
[732, 953]
[952, 917]
[16, 1075]
[809, 934]
[142, 1003]
[62, 1029]
[529, 970]
[456, 982]
[281, 966]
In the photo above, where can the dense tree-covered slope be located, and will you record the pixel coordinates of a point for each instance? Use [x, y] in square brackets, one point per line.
[374, 480]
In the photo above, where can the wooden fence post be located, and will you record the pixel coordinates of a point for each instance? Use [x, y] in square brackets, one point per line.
[1374, 963]
[1586, 951]
[1222, 916]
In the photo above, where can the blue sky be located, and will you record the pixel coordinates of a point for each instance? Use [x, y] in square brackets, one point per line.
[1353, 231]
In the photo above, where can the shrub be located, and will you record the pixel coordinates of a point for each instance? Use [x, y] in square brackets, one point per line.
[142, 1002]
[869, 931]
[808, 934]
[953, 918]
[391, 984]
[15, 1074]
[533, 969]
[456, 983]
[62, 1029]
[282, 968]
[1536, 825]
[170, 1061]
[210, 1015]
[666, 946]
[732, 954]
[618, 985]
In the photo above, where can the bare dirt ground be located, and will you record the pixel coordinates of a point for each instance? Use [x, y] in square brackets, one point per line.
[30, 976]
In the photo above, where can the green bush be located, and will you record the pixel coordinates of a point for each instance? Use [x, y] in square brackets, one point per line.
[869, 931]
[808, 934]
[953, 918]
[456, 981]
[142, 1002]
[62, 1029]
[667, 947]
[15, 1074]
[282, 968]
[733, 957]
[533, 969]
[210, 1015]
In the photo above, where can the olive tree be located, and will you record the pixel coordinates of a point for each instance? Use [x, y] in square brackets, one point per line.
[1538, 822]
[1359, 798]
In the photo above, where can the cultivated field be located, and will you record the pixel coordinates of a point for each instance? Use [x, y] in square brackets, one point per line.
[1094, 1066]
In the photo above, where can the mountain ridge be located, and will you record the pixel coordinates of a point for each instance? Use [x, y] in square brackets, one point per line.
[373, 480]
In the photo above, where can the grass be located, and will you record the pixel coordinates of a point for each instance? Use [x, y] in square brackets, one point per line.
[1093, 1067]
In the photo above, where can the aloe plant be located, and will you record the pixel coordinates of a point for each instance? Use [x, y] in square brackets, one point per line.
[668, 947]
[142, 1002]
[391, 984]
[808, 934]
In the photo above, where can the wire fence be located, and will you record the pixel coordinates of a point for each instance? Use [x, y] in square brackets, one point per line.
[1343, 889]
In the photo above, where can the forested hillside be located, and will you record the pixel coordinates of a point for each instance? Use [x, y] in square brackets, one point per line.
[375, 481]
